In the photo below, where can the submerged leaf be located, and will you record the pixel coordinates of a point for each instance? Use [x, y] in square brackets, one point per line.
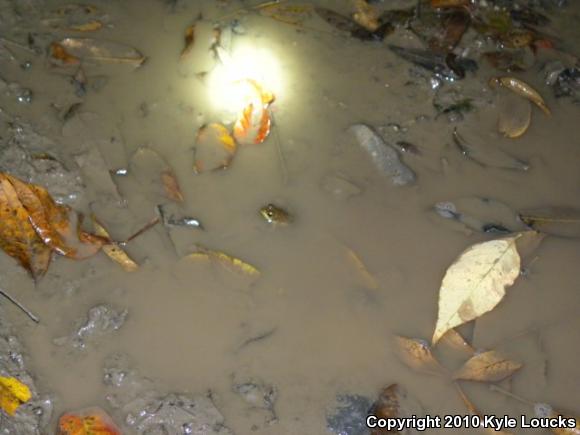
[152, 169]
[289, 14]
[475, 283]
[369, 280]
[114, 251]
[515, 115]
[522, 88]
[59, 53]
[416, 354]
[214, 148]
[13, 393]
[487, 367]
[473, 411]
[100, 50]
[387, 406]
[229, 262]
[171, 185]
[89, 421]
[543, 410]
[189, 39]
[455, 341]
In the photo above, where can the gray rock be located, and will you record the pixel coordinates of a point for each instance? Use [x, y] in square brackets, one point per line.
[349, 417]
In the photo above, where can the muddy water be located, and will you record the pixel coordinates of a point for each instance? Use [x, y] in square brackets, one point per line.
[190, 328]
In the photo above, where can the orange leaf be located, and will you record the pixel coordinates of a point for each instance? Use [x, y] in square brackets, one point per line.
[58, 52]
[90, 421]
[264, 129]
[171, 186]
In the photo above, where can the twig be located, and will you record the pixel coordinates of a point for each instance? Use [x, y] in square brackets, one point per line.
[19, 305]
[510, 394]
[147, 226]
[283, 166]
[16, 44]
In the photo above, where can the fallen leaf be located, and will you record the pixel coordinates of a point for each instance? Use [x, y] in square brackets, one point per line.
[387, 406]
[515, 115]
[91, 26]
[171, 186]
[214, 148]
[13, 393]
[100, 50]
[557, 221]
[76, 8]
[487, 367]
[253, 123]
[475, 283]
[416, 354]
[189, 39]
[152, 169]
[543, 410]
[59, 53]
[289, 14]
[455, 341]
[227, 261]
[522, 88]
[113, 250]
[366, 15]
[90, 421]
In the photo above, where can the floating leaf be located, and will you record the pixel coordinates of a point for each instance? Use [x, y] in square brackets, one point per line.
[100, 50]
[227, 261]
[113, 250]
[543, 410]
[515, 115]
[487, 367]
[13, 393]
[522, 88]
[475, 283]
[488, 155]
[557, 221]
[90, 421]
[416, 354]
[214, 148]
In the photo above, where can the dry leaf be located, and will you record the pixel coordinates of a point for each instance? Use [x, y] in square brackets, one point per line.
[113, 250]
[227, 261]
[455, 341]
[475, 283]
[387, 406]
[523, 89]
[90, 421]
[13, 393]
[91, 26]
[557, 221]
[214, 148]
[99, 50]
[146, 162]
[543, 410]
[515, 115]
[417, 354]
[487, 367]
[366, 15]
[171, 186]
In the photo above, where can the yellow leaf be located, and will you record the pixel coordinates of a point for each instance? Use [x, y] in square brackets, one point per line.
[13, 393]
[417, 354]
[475, 283]
[215, 148]
[113, 250]
[91, 26]
[227, 261]
[515, 115]
[522, 88]
[487, 367]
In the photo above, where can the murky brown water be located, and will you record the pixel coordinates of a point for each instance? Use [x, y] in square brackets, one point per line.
[330, 334]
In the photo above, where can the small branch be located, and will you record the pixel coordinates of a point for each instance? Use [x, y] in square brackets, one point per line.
[147, 226]
[19, 305]
[507, 393]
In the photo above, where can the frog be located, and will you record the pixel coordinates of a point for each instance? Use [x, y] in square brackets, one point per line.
[275, 215]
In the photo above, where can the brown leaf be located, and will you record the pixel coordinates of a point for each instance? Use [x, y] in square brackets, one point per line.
[417, 354]
[366, 15]
[387, 406]
[100, 50]
[449, 3]
[171, 186]
[91, 26]
[473, 411]
[113, 250]
[487, 367]
[59, 53]
[455, 341]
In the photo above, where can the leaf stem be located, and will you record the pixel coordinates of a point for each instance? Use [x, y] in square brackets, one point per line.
[507, 393]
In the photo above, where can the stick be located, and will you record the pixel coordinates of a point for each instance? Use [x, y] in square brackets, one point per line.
[509, 394]
[19, 305]
[147, 226]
